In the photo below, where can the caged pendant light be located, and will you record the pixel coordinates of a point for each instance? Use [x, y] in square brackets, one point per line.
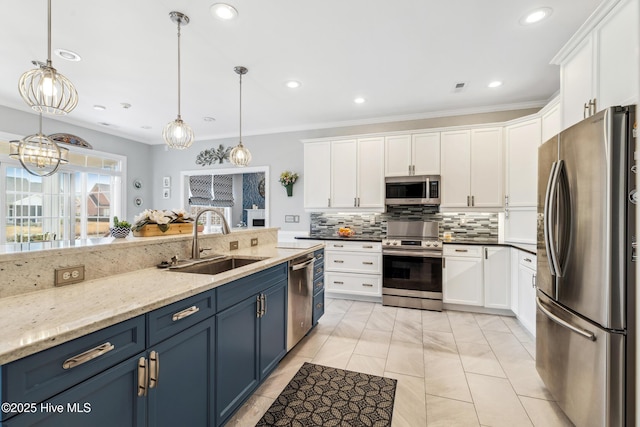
[240, 156]
[43, 88]
[177, 134]
[39, 154]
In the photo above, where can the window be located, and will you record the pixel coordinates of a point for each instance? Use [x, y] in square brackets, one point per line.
[77, 202]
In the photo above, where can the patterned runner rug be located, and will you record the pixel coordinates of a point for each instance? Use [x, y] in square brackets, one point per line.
[322, 396]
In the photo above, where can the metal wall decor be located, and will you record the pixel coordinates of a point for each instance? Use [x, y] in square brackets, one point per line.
[213, 155]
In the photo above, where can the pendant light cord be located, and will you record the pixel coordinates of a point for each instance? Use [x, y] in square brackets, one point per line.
[49, 33]
[240, 115]
[179, 117]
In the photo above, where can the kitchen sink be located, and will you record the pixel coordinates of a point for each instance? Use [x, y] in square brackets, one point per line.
[215, 265]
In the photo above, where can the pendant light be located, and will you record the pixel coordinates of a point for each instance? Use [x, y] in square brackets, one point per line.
[39, 154]
[240, 156]
[44, 89]
[177, 134]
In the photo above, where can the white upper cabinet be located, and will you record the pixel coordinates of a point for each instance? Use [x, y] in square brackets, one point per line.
[472, 168]
[370, 170]
[344, 177]
[317, 175]
[599, 65]
[417, 154]
[551, 120]
[522, 141]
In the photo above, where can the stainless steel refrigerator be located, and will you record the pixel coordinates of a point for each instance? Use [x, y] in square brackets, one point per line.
[585, 313]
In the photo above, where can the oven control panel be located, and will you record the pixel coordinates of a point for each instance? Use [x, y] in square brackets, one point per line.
[425, 244]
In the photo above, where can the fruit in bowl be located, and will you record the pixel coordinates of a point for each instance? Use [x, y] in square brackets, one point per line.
[345, 232]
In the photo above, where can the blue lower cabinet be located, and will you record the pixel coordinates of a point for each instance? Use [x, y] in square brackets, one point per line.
[250, 341]
[105, 400]
[318, 307]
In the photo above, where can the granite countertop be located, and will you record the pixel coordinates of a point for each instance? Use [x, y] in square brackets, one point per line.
[36, 321]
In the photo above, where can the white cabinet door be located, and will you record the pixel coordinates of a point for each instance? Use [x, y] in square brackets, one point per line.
[520, 225]
[515, 256]
[576, 77]
[527, 298]
[370, 192]
[487, 168]
[455, 168]
[497, 292]
[426, 153]
[317, 175]
[343, 173]
[522, 141]
[551, 125]
[397, 155]
[462, 281]
[618, 56]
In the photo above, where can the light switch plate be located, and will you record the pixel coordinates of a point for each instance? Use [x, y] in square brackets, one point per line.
[254, 241]
[69, 275]
[233, 245]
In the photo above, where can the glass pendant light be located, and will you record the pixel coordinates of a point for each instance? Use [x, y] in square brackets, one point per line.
[177, 134]
[39, 154]
[44, 89]
[240, 156]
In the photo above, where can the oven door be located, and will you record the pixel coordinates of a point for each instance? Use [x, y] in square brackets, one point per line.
[415, 274]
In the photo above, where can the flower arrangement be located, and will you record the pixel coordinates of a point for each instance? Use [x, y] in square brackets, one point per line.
[287, 178]
[160, 217]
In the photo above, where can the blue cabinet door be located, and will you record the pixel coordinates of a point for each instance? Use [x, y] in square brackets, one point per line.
[105, 400]
[273, 328]
[183, 394]
[236, 361]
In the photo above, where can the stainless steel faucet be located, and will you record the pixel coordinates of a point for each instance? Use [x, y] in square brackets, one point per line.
[195, 248]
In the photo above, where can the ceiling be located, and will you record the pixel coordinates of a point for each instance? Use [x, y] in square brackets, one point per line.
[403, 56]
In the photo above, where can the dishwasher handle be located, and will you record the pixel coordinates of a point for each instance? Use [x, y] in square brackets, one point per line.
[302, 265]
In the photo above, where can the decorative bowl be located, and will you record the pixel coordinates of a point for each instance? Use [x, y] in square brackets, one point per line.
[345, 232]
[119, 232]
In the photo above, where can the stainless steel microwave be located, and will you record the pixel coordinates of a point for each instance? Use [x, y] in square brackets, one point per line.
[413, 190]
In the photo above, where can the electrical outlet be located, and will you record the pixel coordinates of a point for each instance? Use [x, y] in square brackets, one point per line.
[68, 275]
[254, 241]
[233, 245]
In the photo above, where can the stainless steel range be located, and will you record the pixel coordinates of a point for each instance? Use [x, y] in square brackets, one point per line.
[412, 265]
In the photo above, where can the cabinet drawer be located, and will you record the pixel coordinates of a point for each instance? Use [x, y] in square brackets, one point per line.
[40, 376]
[318, 270]
[463, 250]
[527, 260]
[241, 289]
[365, 284]
[318, 284]
[353, 262]
[319, 256]
[318, 306]
[353, 246]
[168, 321]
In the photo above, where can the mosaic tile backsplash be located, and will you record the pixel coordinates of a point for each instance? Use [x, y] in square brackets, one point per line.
[463, 226]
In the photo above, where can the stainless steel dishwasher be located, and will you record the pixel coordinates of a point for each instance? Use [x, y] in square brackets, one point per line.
[300, 303]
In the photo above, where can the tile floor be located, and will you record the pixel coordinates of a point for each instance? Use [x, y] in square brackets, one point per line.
[453, 368]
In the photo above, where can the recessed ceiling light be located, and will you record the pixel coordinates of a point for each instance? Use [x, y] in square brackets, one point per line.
[224, 11]
[359, 100]
[495, 83]
[208, 119]
[293, 84]
[536, 16]
[68, 55]
[99, 107]
[125, 105]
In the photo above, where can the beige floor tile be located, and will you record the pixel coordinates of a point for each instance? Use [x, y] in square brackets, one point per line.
[435, 321]
[349, 329]
[544, 413]
[310, 344]
[439, 345]
[465, 328]
[507, 347]
[407, 332]
[337, 306]
[335, 352]
[361, 307]
[280, 377]
[382, 320]
[374, 343]
[525, 379]
[409, 409]
[405, 358]
[479, 359]
[496, 403]
[445, 377]
[518, 330]
[366, 364]
[531, 348]
[251, 412]
[409, 315]
[443, 412]
[488, 322]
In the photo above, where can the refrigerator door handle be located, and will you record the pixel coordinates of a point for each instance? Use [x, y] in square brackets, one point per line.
[586, 334]
[553, 196]
[547, 219]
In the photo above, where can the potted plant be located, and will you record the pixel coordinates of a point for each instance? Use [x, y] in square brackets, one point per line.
[120, 229]
[287, 179]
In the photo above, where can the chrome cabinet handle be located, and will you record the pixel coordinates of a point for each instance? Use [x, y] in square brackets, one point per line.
[329, 202]
[367, 246]
[143, 376]
[185, 313]
[154, 369]
[486, 253]
[468, 198]
[338, 246]
[355, 202]
[527, 259]
[588, 335]
[258, 306]
[320, 284]
[367, 262]
[462, 250]
[264, 304]
[88, 355]
[368, 285]
[338, 261]
[473, 200]
[338, 283]
[584, 111]
[319, 305]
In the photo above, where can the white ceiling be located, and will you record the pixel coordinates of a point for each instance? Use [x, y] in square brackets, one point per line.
[403, 56]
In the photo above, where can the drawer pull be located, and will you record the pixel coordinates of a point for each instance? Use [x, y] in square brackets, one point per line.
[142, 376]
[154, 369]
[367, 262]
[338, 283]
[319, 256]
[319, 269]
[338, 261]
[367, 246]
[338, 246]
[462, 250]
[319, 284]
[319, 305]
[185, 313]
[368, 285]
[527, 259]
[87, 355]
